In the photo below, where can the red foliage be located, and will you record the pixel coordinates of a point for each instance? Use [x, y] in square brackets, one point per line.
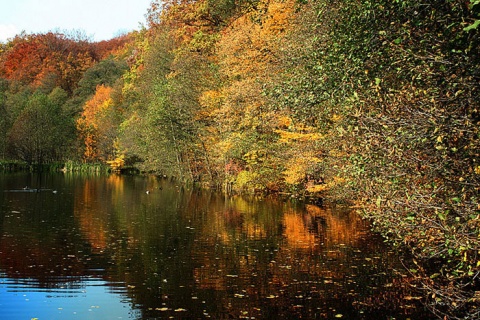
[107, 47]
[32, 59]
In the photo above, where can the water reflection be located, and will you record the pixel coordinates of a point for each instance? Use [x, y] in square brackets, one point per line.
[183, 253]
[69, 299]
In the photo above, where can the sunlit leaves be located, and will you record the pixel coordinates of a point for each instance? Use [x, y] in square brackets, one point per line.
[97, 125]
[42, 58]
[248, 58]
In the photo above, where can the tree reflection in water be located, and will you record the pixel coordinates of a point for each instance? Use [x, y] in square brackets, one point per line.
[187, 253]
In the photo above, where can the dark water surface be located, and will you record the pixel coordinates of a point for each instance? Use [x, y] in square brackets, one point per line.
[100, 247]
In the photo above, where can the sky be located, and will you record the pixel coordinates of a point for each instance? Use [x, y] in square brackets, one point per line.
[97, 19]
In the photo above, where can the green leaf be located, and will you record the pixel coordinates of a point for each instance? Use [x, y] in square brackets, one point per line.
[442, 216]
[473, 26]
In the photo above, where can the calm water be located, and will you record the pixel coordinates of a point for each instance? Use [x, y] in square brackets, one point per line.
[100, 247]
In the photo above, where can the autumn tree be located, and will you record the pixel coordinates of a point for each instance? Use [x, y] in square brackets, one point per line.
[46, 60]
[98, 124]
[248, 58]
[22, 61]
[177, 67]
[4, 120]
[113, 47]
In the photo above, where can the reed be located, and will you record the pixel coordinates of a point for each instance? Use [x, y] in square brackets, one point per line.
[69, 166]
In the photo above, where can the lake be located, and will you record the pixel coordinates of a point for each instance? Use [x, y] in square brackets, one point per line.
[100, 247]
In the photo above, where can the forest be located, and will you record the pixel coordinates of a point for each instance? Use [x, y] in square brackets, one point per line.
[374, 104]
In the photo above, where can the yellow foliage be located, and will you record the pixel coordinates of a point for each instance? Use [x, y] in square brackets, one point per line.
[336, 117]
[247, 47]
[336, 181]
[289, 136]
[337, 153]
[210, 98]
[254, 156]
[117, 164]
[298, 133]
[210, 101]
[279, 16]
[314, 188]
[284, 121]
[224, 146]
[296, 168]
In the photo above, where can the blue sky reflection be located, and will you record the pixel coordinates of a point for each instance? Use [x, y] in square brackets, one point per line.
[90, 299]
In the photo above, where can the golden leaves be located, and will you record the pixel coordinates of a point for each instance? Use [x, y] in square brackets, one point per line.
[290, 137]
[92, 120]
[297, 166]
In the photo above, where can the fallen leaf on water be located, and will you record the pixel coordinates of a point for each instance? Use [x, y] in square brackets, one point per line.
[161, 309]
[412, 298]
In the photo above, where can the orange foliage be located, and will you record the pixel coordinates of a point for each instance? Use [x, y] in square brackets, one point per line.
[91, 121]
[113, 46]
[32, 59]
[99, 102]
[22, 62]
